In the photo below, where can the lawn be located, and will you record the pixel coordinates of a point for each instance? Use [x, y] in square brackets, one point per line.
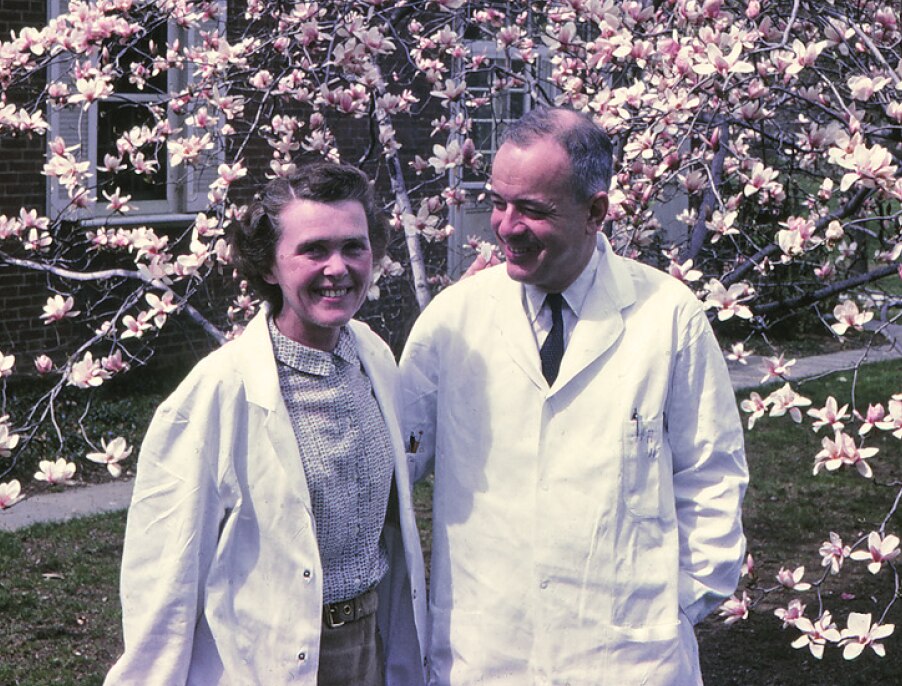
[59, 597]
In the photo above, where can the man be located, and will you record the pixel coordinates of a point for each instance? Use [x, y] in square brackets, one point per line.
[586, 509]
[265, 541]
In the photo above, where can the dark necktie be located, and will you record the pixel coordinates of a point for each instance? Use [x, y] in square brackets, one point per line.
[553, 348]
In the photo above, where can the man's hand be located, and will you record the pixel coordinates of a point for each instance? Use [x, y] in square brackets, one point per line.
[481, 263]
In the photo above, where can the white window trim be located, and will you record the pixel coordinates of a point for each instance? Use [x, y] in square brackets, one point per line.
[177, 208]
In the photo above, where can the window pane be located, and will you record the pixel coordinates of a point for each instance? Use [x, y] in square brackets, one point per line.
[113, 120]
[139, 53]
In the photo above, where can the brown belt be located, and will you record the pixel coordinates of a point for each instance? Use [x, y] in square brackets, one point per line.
[344, 611]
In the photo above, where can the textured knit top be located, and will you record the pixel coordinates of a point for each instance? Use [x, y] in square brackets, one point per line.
[347, 458]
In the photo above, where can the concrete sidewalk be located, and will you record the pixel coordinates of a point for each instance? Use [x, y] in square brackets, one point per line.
[79, 501]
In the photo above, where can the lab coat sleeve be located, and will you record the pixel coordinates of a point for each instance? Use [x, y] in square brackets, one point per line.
[710, 472]
[170, 540]
[419, 367]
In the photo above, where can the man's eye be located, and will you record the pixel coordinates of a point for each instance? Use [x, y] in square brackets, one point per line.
[536, 212]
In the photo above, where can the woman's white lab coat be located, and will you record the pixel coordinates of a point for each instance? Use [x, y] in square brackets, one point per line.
[221, 577]
[579, 530]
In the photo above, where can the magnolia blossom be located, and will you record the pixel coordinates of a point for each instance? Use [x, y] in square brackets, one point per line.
[755, 406]
[860, 633]
[114, 364]
[8, 439]
[893, 421]
[113, 453]
[784, 400]
[7, 362]
[815, 635]
[863, 87]
[43, 364]
[684, 272]
[874, 414]
[829, 415]
[58, 308]
[724, 64]
[793, 579]
[748, 567]
[791, 614]
[847, 315]
[776, 368]
[842, 450]
[761, 178]
[59, 472]
[735, 609]
[872, 167]
[10, 494]
[161, 307]
[880, 550]
[738, 353]
[728, 301]
[86, 373]
[136, 327]
[834, 553]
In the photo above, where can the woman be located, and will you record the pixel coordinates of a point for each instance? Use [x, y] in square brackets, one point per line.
[258, 548]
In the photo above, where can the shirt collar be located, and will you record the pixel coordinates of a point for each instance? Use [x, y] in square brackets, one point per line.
[310, 360]
[574, 295]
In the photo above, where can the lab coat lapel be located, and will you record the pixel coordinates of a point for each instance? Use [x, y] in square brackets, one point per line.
[600, 322]
[383, 385]
[518, 338]
[261, 382]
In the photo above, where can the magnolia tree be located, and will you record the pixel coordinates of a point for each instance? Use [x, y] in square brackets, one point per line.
[773, 126]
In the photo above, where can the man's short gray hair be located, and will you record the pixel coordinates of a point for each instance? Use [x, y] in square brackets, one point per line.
[586, 144]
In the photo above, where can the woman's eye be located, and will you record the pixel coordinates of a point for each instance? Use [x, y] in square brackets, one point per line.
[314, 251]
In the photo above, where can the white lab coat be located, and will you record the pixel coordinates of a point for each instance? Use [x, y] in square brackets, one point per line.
[221, 576]
[579, 531]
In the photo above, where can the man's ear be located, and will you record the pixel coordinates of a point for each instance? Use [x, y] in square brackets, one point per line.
[598, 210]
[270, 279]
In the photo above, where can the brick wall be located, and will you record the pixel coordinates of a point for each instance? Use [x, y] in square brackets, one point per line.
[23, 294]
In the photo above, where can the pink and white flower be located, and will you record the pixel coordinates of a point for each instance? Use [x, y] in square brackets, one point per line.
[59, 472]
[735, 609]
[793, 579]
[834, 553]
[10, 494]
[881, 550]
[791, 614]
[860, 634]
[815, 635]
[738, 353]
[113, 453]
[848, 316]
[58, 308]
[829, 415]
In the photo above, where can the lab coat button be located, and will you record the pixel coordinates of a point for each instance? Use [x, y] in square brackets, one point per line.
[302, 656]
[307, 574]
[544, 584]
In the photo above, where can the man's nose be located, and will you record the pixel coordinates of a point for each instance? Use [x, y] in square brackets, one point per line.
[507, 222]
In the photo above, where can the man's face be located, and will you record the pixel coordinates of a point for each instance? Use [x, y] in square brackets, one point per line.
[547, 234]
[323, 267]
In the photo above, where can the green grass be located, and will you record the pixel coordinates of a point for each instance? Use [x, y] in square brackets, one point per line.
[64, 628]
[788, 513]
[59, 602]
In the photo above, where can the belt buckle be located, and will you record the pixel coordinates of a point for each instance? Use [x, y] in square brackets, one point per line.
[332, 610]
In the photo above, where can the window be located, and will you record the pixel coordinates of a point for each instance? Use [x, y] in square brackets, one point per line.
[139, 103]
[509, 98]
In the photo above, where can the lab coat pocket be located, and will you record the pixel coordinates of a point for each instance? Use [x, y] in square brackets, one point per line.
[641, 478]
